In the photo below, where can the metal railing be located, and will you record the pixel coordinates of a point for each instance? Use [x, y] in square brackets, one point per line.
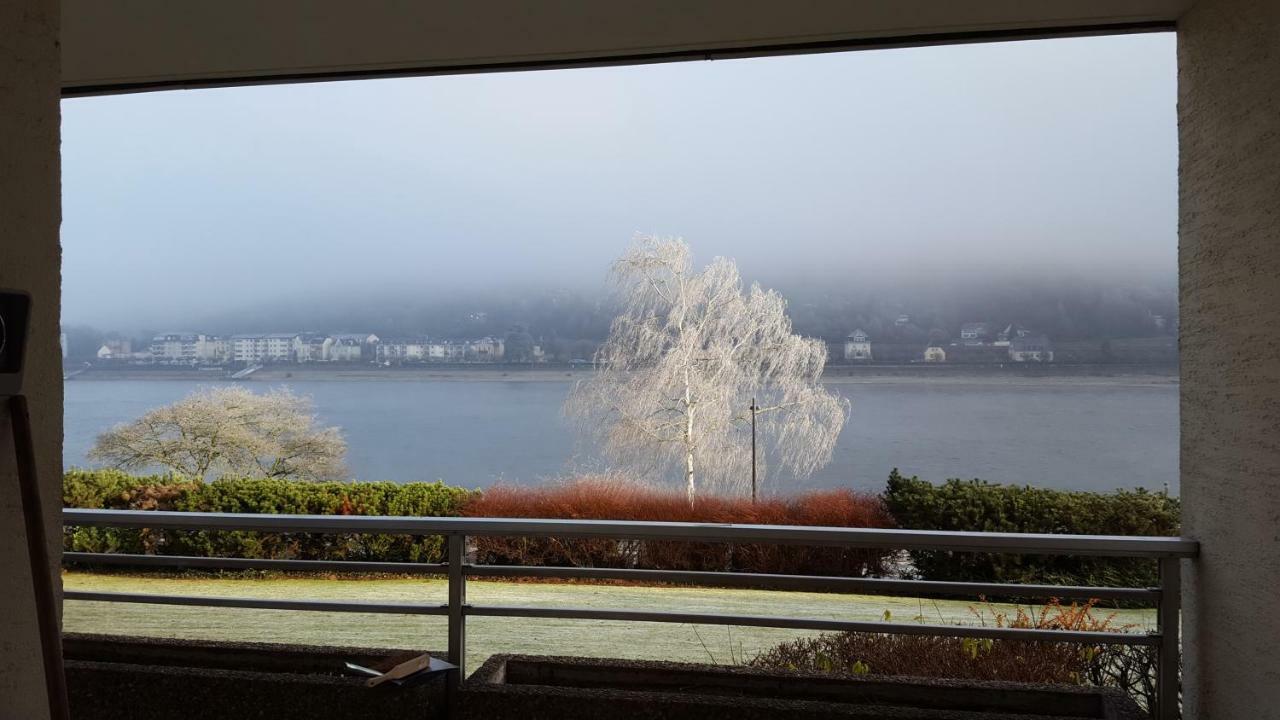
[1168, 552]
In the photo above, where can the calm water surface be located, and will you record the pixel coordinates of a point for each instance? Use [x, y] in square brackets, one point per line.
[1072, 434]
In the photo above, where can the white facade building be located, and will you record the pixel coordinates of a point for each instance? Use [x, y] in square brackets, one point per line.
[309, 347]
[262, 348]
[857, 346]
[447, 351]
[215, 350]
[180, 348]
[1030, 348]
[486, 349]
[400, 351]
[344, 350]
[249, 349]
[279, 347]
[115, 350]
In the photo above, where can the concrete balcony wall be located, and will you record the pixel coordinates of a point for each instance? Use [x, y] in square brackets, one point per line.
[1229, 254]
[30, 260]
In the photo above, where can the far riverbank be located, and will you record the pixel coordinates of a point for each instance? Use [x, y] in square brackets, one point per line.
[1005, 373]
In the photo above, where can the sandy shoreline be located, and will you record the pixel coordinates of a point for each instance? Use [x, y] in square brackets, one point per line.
[1065, 375]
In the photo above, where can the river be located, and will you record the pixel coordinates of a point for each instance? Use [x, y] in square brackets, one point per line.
[1071, 433]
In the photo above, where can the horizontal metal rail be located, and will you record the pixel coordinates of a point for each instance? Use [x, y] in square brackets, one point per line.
[795, 623]
[974, 631]
[258, 603]
[220, 563]
[817, 583]
[1014, 543]
[762, 581]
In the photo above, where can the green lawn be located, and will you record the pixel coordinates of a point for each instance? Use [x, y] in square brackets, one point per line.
[486, 636]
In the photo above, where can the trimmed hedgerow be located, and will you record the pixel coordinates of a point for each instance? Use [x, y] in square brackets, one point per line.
[605, 498]
[977, 506]
[907, 502]
[594, 498]
[116, 490]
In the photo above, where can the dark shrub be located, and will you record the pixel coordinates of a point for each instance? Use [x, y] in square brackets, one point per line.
[974, 505]
[1128, 668]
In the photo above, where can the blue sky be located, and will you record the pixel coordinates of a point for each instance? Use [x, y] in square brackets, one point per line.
[1046, 156]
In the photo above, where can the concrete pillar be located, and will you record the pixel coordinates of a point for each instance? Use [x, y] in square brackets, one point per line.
[1229, 270]
[29, 259]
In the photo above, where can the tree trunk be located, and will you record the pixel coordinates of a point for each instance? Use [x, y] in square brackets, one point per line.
[688, 476]
[688, 437]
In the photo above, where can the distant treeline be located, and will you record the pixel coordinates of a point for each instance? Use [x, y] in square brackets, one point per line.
[1063, 310]
[569, 325]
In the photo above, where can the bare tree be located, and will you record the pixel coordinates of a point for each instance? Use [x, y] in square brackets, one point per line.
[674, 382]
[228, 430]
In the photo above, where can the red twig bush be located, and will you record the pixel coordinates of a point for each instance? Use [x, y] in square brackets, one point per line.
[604, 498]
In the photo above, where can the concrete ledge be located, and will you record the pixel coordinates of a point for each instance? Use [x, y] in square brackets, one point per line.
[531, 687]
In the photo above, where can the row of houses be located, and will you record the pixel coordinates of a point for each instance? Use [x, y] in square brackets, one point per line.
[978, 334]
[1020, 344]
[417, 350]
[191, 348]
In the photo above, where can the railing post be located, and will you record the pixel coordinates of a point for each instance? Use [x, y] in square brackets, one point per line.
[457, 610]
[1168, 682]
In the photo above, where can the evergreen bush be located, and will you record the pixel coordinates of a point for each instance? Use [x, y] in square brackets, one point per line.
[978, 506]
[115, 490]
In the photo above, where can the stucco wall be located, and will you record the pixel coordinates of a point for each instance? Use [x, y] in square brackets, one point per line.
[29, 259]
[1229, 254]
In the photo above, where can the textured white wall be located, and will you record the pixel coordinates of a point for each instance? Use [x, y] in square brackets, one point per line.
[29, 259]
[1229, 252]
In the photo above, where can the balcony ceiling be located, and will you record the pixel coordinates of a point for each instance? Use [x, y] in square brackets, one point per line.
[133, 45]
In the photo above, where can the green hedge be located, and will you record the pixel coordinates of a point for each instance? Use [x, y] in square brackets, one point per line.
[966, 505]
[116, 490]
[974, 505]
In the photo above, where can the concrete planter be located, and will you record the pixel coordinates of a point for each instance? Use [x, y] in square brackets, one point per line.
[119, 678]
[536, 688]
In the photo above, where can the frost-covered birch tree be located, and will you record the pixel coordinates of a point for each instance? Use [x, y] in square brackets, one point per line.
[675, 381]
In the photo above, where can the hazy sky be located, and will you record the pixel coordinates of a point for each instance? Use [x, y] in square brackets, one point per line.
[1047, 155]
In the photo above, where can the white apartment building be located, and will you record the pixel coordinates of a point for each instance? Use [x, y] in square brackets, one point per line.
[187, 348]
[485, 349]
[310, 347]
[262, 348]
[248, 348]
[216, 349]
[344, 349]
[402, 350]
[857, 346]
[279, 347]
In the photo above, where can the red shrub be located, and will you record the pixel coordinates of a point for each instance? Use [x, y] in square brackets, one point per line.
[602, 498]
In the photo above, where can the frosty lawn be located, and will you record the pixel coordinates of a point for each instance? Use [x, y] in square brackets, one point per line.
[486, 636]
